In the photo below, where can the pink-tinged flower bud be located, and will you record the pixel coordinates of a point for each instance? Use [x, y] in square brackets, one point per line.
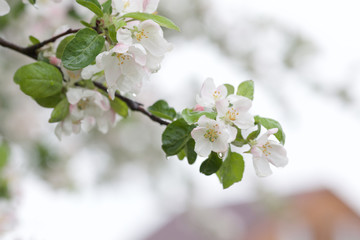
[198, 108]
[54, 61]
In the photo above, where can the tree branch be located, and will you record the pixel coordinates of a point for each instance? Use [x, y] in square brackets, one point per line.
[31, 50]
[133, 105]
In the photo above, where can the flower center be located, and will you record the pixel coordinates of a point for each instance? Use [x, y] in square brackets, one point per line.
[265, 149]
[122, 58]
[126, 5]
[141, 34]
[82, 104]
[216, 94]
[231, 114]
[212, 134]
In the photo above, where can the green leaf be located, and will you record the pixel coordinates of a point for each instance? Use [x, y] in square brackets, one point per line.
[211, 165]
[119, 23]
[269, 123]
[39, 79]
[112, 33]
[192, 116]
[107, 9]
[4, 155]
[32, 2]
[176, 136]
[86, 24]
[92, 5]
[60, 111]
[254, 134]
[83, 49]
[34, 40]
[162, 21]
[239, 140]
[61, 47]
[50, 102]
[161, 109]
[190, 152]
[231, 170]
[181, 155]
[120, 107]
[4, 189]
[230, 89]
[246, 89]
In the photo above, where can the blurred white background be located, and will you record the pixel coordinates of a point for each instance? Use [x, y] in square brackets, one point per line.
[304, 57]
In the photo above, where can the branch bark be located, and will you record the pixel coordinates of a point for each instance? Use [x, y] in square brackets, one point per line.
[134, 106]
[31, 51]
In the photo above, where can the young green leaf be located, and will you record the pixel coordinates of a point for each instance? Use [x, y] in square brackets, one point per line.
[60, 111]
[192, 116]
[61, 47]
[255, 133]
[230, 89]
[161, 109]
[232, 169]
[246, 89]
[211, 165]
[39, 79]
[4, 155]
[190, 152]
[162, 21]
[120, 107]
[82, 49]
[269, 123]
[50, 102]
[34, 40]
[239, 140]
[92, 5]
[181, 155]
[107, 9]
[176, 136]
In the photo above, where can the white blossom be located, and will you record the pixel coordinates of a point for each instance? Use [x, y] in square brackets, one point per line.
[88, 108]
[4, 8]
[267, 151]
[126, 6]
[235, 110]
[211, 135]
[210, 94]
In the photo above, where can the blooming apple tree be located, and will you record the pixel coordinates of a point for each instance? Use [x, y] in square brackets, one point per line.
[90, 78]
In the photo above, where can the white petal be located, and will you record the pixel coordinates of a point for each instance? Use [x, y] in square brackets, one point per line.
[207, 89]
[88, 123]
[240, 103]
[262, 167]
[222, 107]
[4, 8]
[223, 92]
[154, 41]
[150, 6]
[264, 138]
[277, 155]
[220, 145]
[232, 133]
[198, 133]
[244, 120]
[89, 71]
[58, 130]
[123, 36]
[203, 148]
[74, 95]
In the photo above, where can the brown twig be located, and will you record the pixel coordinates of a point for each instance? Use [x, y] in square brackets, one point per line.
[31, 51]
[133, 105]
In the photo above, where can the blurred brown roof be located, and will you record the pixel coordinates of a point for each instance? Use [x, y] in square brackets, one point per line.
[316, 215]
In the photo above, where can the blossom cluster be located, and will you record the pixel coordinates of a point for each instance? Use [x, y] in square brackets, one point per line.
[232, 116]
[121, 59]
